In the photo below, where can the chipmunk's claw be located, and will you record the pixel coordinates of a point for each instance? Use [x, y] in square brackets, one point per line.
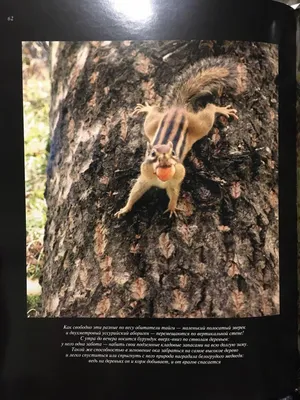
[228, 111]
[121, 212]
[140, 108]
[171, 211]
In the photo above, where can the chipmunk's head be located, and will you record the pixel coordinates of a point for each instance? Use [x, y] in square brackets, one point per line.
[163, 159]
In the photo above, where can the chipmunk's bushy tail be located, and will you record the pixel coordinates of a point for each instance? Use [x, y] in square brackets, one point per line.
[208, 76]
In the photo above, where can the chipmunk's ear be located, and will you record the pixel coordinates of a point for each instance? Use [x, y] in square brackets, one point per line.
[171, 145]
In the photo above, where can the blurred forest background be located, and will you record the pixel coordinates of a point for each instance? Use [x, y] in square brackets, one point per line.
[36, 103]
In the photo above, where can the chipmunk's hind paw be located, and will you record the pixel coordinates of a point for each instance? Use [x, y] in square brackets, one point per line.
[172, 211]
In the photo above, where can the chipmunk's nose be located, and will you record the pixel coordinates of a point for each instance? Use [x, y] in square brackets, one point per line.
[164, 160]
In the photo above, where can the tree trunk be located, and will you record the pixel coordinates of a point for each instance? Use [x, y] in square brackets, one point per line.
[219, 257]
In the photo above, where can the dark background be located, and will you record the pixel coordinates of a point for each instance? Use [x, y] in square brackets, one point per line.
[31, 361]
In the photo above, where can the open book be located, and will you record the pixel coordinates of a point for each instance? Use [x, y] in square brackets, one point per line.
[149, 219]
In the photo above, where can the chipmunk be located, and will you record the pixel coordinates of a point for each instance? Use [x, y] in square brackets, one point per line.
[172, 130]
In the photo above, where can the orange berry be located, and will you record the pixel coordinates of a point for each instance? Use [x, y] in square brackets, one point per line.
[165, 174]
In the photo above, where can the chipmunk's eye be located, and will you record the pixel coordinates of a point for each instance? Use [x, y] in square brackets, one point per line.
[173, 153]
[153, 153]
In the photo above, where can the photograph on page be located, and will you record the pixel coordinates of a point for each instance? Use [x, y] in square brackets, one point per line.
[151, 173]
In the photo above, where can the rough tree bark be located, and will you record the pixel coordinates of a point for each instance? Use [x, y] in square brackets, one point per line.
[219, 258]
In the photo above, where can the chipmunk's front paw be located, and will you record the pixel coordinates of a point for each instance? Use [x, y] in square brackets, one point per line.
[121, 212]
[228, 111]
[140, 108]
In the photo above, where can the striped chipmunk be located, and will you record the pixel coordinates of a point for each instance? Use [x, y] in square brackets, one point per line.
[173, 129]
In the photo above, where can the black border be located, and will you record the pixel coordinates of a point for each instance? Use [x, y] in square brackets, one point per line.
[30, 351]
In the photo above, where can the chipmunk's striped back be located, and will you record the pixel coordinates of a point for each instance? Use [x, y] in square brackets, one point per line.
[173, 128]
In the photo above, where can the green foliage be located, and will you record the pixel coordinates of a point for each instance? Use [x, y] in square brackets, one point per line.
[36, 104]
[34, 303]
